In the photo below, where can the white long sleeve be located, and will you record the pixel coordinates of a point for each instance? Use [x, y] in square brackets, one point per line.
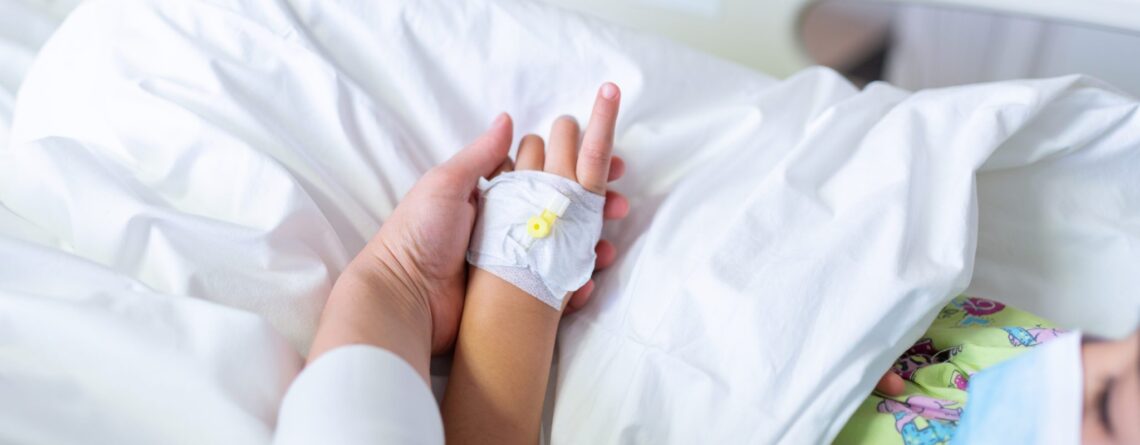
[359, 395]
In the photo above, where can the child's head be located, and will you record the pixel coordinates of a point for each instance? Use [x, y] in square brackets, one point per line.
[1063, 388]
[1111, 411]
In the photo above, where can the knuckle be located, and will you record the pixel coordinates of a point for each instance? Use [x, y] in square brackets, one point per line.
[442, 176]
[594, 155]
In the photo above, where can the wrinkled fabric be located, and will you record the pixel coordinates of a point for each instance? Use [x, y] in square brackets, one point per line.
[546, 266]
[24, 26]
[185, 180]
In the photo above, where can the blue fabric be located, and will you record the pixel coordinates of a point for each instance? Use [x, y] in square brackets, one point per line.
[1032, 398]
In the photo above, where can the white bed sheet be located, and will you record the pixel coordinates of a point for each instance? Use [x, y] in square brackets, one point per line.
[24, 26]
[186, 179]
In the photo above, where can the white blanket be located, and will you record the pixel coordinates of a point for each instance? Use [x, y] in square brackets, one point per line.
[24, 26]
[185, 180]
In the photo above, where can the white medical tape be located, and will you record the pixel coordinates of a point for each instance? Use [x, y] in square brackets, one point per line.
[537, 231]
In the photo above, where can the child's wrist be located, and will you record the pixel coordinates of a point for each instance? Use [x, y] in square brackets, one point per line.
[506, 295]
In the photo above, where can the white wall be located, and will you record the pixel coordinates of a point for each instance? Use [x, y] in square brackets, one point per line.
[934, 47]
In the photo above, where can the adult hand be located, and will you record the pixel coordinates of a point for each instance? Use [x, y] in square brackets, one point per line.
[405, 290]
[422, 246]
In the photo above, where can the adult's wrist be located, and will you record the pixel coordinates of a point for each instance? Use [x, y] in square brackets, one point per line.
[371, 304]
[390, 284]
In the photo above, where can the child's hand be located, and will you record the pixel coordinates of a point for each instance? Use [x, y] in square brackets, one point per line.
[592, 166]
[891, 384]
[506, 339]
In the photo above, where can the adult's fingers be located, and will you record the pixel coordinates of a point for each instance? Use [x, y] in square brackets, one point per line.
[580, 297]
[531, 153]
[484, 156]
[562, 148]
[617, 168]
[891, 384]
[606, 254]
[598, 143]
[616, 206]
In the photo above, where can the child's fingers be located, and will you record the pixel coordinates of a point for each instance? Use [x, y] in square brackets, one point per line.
[531, 154]
[617, 168]
[506, 166]
[592, 167]
[562, 148]
[891, 384]
[616, 206]
[598, 143]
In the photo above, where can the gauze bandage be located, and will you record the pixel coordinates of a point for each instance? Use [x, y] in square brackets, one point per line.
[537, 231]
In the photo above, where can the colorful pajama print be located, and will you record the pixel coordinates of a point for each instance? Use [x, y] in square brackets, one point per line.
[969, 335]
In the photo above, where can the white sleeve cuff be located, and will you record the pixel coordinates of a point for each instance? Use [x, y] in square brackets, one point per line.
[359, 394]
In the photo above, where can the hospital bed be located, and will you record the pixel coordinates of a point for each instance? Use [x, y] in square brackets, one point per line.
[182, 182]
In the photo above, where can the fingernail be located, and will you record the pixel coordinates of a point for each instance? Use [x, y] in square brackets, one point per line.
[609, 90]
[502, 119]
